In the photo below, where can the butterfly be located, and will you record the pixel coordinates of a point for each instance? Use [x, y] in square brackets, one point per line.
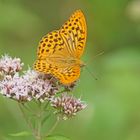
[59, 52]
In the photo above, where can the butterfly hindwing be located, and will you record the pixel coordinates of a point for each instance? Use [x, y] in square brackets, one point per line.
[42, 66]
[67, 75]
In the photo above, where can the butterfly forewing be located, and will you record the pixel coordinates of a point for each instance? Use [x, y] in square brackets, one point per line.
[51, 45]
[74, 34]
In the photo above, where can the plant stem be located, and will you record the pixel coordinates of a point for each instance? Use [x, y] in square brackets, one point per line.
[54, 126]
[39, 126]
[36, 131]
[27, 121]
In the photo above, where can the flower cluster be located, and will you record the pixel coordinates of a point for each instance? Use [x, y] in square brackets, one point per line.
[67, 105]
[10, 66]
[28, 86]
[34, 85]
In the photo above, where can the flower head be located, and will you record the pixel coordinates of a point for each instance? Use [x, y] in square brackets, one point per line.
[10, 66]
[35, 85]
[40, 85]
[67, 105]
[28, 86]
[15, 87]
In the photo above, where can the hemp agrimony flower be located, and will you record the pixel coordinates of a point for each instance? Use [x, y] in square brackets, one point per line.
[28, 86]
[10, 66]
[32, 86]
[67, 105]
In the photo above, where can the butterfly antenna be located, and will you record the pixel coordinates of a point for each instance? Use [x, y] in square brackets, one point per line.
[101, 53]
[98, 54]
[91, 73]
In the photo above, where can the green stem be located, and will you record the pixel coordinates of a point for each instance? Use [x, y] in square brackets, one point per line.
[46, 105]
[53, 127]
[27, 108]
[36, 131]
[39, 126]
[27, 121]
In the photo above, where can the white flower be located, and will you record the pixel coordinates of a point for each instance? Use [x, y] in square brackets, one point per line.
[10, 66]
[40, 86]
[34, 85]
[28, 86]
[67, 105]
[15, 87]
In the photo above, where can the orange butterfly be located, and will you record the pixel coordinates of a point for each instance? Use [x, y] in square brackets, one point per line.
[60, 51]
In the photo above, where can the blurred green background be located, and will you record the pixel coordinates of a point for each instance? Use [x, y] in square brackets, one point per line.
[113, 111]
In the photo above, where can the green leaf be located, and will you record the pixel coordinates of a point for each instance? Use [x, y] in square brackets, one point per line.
[56, 137]
[19, 134]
